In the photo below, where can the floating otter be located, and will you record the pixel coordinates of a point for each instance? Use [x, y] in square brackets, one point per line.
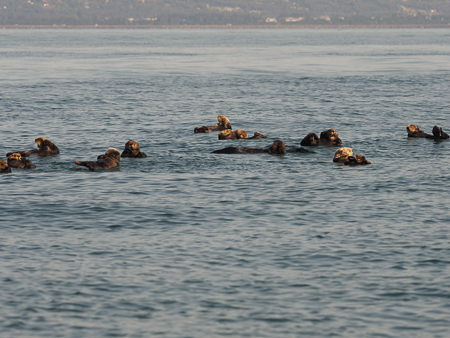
[223, 124]
[345, 155]
[229, 134]
[46, 148]
[277, 147]
[108, 160]
[342, 154]
[438, 133]
[132, 149]
[327, 138]
[15, 160]
[4, 168]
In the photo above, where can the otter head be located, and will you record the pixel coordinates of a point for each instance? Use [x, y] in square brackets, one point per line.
[330, 135]
[113, 154]
[15, 156]
[240, 133]
[40, 141]
[132, 146]
[412, 129]
[225, 134]
[278, 147]
[310, 140]
[342, 154]
[224, 122]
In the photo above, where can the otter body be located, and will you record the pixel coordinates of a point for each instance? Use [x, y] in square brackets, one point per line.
[223, 124]
[45, 148]
[108, 160]
[438, 133]
[329, 138]
[4, 168]
[345, 155]
[15, 160]
[132, 149]
[278, 147]
[229, 134]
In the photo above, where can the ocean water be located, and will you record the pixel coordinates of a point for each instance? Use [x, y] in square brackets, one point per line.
[186, 243]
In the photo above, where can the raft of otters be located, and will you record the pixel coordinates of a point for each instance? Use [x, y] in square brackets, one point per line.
[111, 158]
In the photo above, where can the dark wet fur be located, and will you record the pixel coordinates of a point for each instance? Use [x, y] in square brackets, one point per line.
[46, 148]
[22, 163]
[298, 150]
[356, 160]
[277, 147]
[4, 168]
[325, 139]
[108, 160]
[132, 149]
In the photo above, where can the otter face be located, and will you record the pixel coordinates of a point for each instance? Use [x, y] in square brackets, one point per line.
[15, 156]
[39, 141]
[278, 147]
[330, 135]
[131, 145]
[224, 122]
[342, 154]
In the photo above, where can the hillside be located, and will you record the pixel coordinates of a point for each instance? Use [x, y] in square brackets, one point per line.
[221, 12]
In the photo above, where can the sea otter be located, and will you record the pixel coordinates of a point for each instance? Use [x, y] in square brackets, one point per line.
[328, 138]
[342, 154]
[438, 133]
[345, 155]
[46, 148]
[4, 168]
[229, 134]
[132, 149]
[277, 147]
[414, 131]
[223, 124]
[108, 160]
[15, 160]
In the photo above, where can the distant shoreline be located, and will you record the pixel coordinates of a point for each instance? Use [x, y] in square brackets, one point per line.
[222, 26]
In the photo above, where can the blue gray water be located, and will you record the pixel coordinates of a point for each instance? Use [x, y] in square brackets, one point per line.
[185, 243]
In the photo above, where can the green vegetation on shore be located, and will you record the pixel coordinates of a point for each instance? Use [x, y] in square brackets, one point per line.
[133, 13]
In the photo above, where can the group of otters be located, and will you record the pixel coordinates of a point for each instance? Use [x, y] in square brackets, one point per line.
[111, 159]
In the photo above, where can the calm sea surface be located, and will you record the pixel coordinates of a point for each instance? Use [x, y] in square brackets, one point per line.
[185, 243]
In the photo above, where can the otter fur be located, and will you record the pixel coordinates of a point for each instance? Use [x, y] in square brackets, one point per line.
[4, 168]
[132, 149]
[342, 154]
[45, 148]
[329, 138]
[357, 160]
[438, 133]
[229, 134]
[15, 160]
[278, 147]
[108, 160]
[223, 124]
